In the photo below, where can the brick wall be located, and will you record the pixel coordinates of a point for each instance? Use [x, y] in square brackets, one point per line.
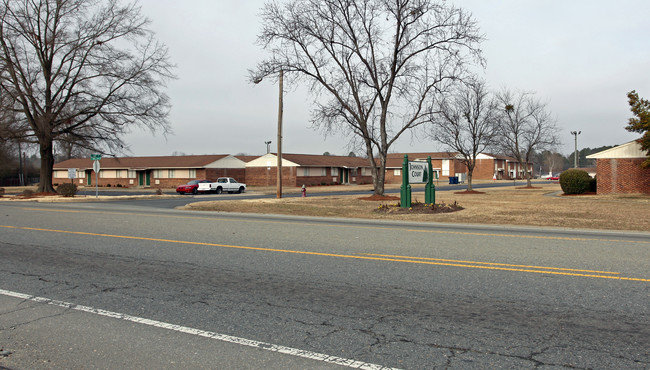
[484, 169]
[261, 176]
[623, 176]
[238, 174]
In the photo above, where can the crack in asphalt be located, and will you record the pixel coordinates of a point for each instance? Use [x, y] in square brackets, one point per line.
[325, 313]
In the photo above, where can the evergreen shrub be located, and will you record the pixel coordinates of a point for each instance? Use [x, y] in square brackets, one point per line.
[574, 181]
[67, 189]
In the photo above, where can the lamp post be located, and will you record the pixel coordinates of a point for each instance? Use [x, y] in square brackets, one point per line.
[280, 111]
[575, 154]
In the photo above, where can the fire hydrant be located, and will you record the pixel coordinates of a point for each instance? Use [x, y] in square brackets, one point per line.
[304, 191]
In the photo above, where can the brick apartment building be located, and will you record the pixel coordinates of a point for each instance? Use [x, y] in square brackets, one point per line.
[446, 164]
[310, 170]
[618, 170]
[163, 172]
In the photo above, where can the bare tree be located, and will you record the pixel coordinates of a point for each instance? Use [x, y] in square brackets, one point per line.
[466, 122]
[375, 66]
[81, 68]
[525, 126]
[72, 146]
[553, 160]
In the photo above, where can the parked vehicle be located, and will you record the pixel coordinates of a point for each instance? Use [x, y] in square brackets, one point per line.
[190, 187]
[222, 184]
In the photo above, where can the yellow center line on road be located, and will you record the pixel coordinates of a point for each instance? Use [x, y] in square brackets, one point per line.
[358, 257]
[517, 236]
[492, 264]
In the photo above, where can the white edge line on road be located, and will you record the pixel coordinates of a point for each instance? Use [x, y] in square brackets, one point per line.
[202, 333]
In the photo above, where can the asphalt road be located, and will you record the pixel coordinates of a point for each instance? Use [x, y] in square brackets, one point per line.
[293, 192]
[104, 285]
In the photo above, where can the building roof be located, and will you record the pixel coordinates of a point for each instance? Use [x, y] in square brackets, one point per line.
[627, 150]
[394, 160]
[246, 158]
[181, 161]
[309, 160]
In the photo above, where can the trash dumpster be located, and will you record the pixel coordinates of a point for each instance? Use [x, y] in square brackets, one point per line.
[453, 180]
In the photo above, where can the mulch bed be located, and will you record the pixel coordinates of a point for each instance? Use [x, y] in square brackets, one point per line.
[419, 208]
[380, 198]
[469, 192]
[26, 195]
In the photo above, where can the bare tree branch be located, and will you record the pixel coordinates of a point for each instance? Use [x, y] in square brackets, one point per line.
[466, 123]
[375, 67]
[81, 70]
[525, 126]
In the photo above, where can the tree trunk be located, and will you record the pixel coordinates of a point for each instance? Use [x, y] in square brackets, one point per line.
[47, 164]
[469, 180]
[381, 176]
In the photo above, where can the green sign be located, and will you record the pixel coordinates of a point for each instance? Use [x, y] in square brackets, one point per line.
[95, 157]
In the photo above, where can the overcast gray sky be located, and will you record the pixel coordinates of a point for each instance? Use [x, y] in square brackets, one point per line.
[581, 57]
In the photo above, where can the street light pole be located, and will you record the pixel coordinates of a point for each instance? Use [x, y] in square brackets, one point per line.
[280, 111]
[257, 80]
[575, 154]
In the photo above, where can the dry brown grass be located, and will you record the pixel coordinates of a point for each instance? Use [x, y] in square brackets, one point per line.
[536, 207]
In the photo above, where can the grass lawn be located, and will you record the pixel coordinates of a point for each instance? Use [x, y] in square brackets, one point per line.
[540, 206]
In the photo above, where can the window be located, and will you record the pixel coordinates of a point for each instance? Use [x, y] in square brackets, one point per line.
[131, 174]
[335, 171]
[118, 174]
[445, 167]
[397, 172]
[157, 174]
[171, 173]
[192, 173]
[323, 172]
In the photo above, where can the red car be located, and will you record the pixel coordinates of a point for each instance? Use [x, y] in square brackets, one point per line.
[190, 187]
[553, 178]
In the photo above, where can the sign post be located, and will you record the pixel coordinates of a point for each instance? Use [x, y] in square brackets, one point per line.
[96, 168]
[405, 189]
[417, 173]
[72, 174]
[430, 189]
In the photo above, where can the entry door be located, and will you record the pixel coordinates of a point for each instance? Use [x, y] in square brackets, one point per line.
[345, 175]
[144, 178]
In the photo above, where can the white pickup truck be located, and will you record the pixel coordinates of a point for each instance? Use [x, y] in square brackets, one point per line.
[223, 184]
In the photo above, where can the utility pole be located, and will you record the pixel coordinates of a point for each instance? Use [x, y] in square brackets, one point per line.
[575, 154]
[280, 110]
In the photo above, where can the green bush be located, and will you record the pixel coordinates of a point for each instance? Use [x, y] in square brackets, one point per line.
[28, 193]
[574, 181]
[2, 192]
[67, 189]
